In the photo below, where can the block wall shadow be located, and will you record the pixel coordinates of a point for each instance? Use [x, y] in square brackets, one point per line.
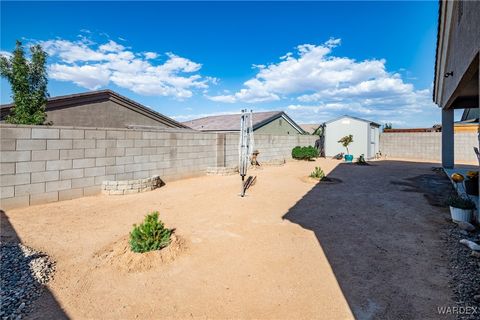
[46, 306]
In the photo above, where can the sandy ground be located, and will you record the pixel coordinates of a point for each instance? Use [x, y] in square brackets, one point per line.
[290, 250]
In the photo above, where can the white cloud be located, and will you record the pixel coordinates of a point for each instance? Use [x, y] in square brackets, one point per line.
[111, 46]
[6, 54]
[222, 98]
[322, 82]
[93, 66]
[88, 76]
[151, 55]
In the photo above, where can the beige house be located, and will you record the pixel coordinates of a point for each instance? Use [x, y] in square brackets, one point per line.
[101, 109]
[456, 84]
[272, 122]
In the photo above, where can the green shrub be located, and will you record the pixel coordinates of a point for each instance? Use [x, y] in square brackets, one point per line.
[457, 201]
[297, 152]
[150, 235]
[304, 153]
[317, 173]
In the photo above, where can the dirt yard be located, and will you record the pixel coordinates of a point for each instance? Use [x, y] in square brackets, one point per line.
[289, 250]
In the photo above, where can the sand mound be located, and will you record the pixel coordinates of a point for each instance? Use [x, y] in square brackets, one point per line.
[309, 180]
[119, 255]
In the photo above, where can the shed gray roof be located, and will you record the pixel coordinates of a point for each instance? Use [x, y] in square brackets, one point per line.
[356, 118]
[231, 122]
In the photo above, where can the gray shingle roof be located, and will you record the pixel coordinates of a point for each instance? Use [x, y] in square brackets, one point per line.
[230, 122]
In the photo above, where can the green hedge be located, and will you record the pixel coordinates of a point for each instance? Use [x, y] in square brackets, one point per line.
[304, 153]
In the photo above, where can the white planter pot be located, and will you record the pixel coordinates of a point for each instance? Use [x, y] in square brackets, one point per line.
[461, 214]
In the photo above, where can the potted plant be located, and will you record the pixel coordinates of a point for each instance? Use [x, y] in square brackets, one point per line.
[461, 208]
[471, 183]
[345, 141]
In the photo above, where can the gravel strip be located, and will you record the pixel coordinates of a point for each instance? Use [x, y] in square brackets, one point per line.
[23, 272]
[464, 272]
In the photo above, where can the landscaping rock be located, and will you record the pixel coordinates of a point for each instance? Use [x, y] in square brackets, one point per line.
[466, 226]
[464, 273]
[23, 272]
[475, 254]
[476, 297]
[472, 245]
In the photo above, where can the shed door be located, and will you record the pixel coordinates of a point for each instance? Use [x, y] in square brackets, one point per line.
[372, 142]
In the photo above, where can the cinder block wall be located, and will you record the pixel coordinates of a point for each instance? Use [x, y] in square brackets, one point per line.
[427, 146]
[271, 147]
[41, 164]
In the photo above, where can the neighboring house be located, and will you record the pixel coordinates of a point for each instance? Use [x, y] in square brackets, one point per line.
[274, 122]
[468, 122]
[103, 108]
[310, 127]
[456, 83]
[366, 136]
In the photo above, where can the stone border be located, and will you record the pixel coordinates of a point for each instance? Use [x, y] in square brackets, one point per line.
[275, 162]
[221, 171]
[131, 186]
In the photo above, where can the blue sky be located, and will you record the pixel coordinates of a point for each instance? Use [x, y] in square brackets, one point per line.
[314, 60]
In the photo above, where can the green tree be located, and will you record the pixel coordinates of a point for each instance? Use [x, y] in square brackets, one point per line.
[387, 126]
[28, 81]
[345, 141]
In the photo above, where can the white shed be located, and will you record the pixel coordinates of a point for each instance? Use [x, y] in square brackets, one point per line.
[366, 136]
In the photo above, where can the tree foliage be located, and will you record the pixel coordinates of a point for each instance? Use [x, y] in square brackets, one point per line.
[28, 81]
[387, 126]
[346, 141]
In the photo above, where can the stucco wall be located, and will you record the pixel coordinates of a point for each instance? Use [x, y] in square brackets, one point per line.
[335, 130]
[277, 127]
[427, 146]
[106, 114]
[40, 164]
[464, 44]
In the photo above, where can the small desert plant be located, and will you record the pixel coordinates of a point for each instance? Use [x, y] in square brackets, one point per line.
[304, 153]
[460, 202]
[361, 160]
[317, 173]
[150, 235]
[345, 141]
